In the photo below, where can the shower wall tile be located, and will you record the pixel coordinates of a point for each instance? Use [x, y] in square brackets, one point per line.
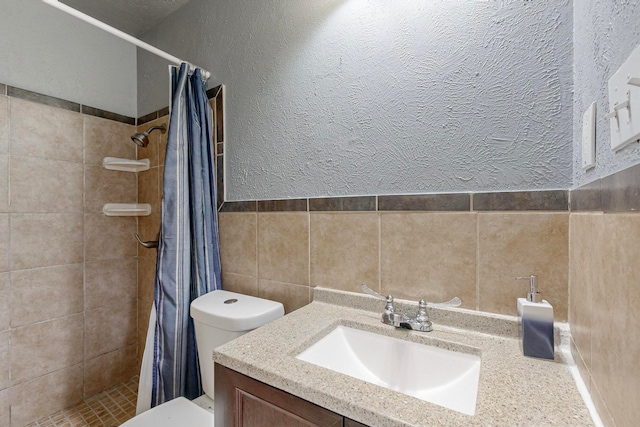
[247, 285]
[109, 237]
[144, 310]
[39, 98]
[42, 185]
[45, 395]
[42, 131]
[107, 186]
[4, 183]
[5, 415]
[344, 250]
[148, 188]
[161, 139]
[292, 296]
[107, 138]
[110, 328]
[155, 151]
[146, 278]
[42, 294]
[4, 242]
[110, 369]
[42, 240]
[46, 347]
[520, 244]
[96, 112]
[5, 340]
[108, 282]
[429, 255]
[148, 228]
[238, 243]
[5, 301]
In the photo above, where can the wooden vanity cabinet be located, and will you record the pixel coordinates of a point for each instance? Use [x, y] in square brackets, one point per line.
[241, 401]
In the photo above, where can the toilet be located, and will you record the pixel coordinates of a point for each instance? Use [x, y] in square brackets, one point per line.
[218, 317]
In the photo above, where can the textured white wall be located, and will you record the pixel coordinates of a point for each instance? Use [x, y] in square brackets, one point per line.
[605, 34]
[351, 97]
[46, 51]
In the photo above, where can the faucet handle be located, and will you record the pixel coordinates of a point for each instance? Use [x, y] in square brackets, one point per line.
[453, 302]
[388, 308]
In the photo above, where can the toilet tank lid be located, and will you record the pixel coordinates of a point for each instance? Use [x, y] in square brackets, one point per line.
[234, 312]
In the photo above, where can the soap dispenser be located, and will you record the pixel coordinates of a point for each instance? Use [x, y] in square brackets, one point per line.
[536, 322]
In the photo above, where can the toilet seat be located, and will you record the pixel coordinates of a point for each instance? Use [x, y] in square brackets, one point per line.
[175, 413]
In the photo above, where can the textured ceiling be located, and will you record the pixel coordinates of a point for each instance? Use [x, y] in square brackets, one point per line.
[134, 17]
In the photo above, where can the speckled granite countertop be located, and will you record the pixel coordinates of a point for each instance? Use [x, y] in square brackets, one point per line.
[513, 391]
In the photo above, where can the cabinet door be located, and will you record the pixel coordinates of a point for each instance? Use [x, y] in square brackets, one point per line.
[241, 401]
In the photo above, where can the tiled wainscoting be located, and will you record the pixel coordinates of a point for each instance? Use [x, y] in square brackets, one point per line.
[67, 272]
[424, 246]
[604, 289]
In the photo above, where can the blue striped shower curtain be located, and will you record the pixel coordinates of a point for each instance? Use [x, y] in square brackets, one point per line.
[188, 263]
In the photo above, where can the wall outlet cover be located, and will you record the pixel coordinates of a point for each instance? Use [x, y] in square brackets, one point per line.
[589, 137]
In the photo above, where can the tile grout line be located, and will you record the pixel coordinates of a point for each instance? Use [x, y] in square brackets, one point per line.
[477, 262]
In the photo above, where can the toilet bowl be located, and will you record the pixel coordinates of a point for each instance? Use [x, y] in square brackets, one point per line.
[218, 317]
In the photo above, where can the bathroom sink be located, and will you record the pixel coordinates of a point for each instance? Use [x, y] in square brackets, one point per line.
[443, 377]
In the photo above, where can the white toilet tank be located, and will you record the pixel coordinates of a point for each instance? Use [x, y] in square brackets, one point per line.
[221, 316]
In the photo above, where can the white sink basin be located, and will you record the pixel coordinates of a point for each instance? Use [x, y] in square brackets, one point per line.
[444, 377]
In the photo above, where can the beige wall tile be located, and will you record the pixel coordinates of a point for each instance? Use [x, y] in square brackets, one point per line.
[292, 296]
[5, 368]
[110, 281]
[5, 301]
[107, 138]
[344, 250]
[4, 182]
[148, 228]
[148, 188]
[144, 309]
[247, 285]
[39, 130]
[429, 255]
[156, 148]
[584, 274]
[146, 278]
[162, 139]
[45, 347]
[45, 395]
[283, 247]
[110, 369]
[42, 185]
[4, 242]
[585, 373]
[46, 293]
[110, 328]
[109, 237]
[615, 308]
[238, 244]
[520, 244]
[42, 240]
[601, 407]
[4, 122]
[107, 186]
[5, 415]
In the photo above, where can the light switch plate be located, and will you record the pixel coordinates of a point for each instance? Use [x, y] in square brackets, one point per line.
[624, 101]
[589, 137]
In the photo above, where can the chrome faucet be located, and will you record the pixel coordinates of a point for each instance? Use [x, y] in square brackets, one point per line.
[421, 320]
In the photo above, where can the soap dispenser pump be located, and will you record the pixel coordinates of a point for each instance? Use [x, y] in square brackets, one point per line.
[536, 322]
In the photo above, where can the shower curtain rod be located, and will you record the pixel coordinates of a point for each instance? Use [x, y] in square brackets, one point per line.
[121, 34]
